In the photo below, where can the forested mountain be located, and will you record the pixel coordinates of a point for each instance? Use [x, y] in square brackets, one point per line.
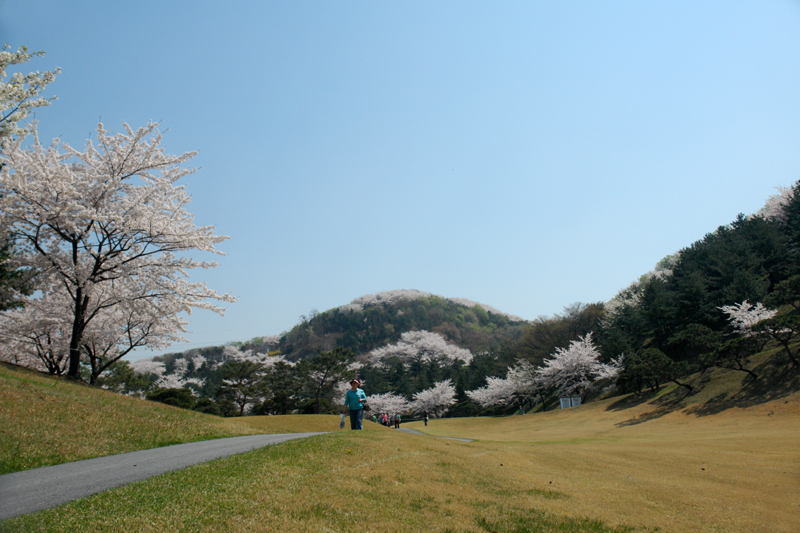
[377, 320]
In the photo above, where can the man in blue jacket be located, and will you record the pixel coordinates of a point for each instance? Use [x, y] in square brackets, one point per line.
[355, 400]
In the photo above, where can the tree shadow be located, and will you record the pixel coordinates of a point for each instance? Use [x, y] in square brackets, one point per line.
[666, 403]
[632, 400]
[777, 378]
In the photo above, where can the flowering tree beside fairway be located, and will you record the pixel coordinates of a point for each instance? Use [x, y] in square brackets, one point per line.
[743, 316]
[436, 400]
[107, 228]
[573, 369]
[19, 94]
[388, 402]
[520, 384]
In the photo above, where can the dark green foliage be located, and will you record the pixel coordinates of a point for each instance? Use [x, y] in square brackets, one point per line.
[322, 372]
[695, 341]
[207, 406]
[121, 378]
[242, 383]
[283, 384]
[12, 280]
[545, 334]
[734, 354]
[650, 367]
[182, 397]
[743, 261]
[783, 329]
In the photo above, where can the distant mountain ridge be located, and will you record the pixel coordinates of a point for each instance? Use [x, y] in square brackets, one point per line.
[391, 297]
[376, 320]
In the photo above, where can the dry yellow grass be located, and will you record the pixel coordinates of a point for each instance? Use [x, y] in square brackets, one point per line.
[719, 461]
[738, 470]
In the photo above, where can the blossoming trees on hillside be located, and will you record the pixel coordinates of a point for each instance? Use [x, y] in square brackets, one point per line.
[520, 384]
[388, 402]
[107, 229]
[569, 371]
[423, 344]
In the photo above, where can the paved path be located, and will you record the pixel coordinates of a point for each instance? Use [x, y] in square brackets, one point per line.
[42, 488]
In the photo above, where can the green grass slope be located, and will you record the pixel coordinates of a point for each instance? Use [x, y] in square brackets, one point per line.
[46, 420]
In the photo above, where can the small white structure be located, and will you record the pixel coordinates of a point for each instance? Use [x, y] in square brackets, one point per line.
[570, 401]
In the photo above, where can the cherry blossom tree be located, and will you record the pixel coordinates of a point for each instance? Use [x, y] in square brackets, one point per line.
[423, 344]
[775, 206]
[497, 391]
[435, 400]
[575, 368]
[520, 384]
[109, 227]
[388, 402]
[743, 316]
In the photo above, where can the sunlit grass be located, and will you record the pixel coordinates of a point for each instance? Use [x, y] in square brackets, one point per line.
[722, 460]
[46, 421]
[379, 481]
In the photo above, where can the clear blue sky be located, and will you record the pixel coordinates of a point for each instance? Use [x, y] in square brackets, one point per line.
[526, 155]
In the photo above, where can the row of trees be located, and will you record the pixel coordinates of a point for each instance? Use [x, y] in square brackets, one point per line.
[250, 383]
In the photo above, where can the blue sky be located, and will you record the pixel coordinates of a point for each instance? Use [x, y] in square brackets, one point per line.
[527, 155]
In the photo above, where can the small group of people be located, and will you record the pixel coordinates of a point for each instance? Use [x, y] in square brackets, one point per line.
[385, 420]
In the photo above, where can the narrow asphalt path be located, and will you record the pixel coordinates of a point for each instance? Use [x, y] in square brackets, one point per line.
[42, 488]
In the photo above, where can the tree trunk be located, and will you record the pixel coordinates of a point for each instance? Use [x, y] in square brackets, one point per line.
[77, 335]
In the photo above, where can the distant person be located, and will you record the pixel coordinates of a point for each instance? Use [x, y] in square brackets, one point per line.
[355, 400]
[397, 421]
[425, 418]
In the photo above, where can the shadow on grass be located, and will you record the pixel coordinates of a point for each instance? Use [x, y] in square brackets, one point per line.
[668, 402]
[777, 378]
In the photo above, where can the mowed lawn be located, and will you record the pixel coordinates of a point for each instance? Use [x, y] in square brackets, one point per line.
[602, 467]
[737, 470]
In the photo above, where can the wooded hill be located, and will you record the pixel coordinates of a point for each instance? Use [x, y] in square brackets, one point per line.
[377, 320]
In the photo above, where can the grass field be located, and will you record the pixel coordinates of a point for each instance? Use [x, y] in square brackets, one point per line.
[724, 460]
[46, 421]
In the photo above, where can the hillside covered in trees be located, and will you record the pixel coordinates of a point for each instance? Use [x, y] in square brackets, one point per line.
[377, 320]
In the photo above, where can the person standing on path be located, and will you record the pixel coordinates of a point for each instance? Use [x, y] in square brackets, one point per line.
[397, 421]
[355, 400]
